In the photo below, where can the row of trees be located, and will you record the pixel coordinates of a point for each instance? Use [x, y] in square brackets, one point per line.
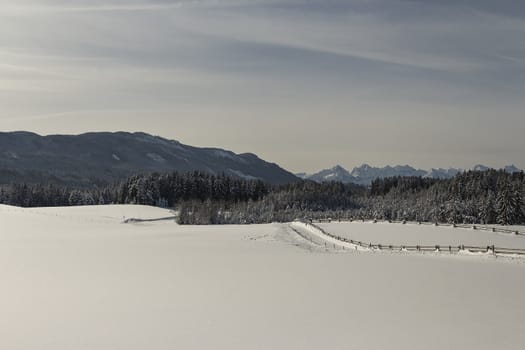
[35, 195]
[165, 190]
[472, 197]
[171, 189]
[281, 204]
[489, 197]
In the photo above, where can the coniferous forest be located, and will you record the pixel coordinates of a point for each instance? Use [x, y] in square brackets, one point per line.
[477, 197]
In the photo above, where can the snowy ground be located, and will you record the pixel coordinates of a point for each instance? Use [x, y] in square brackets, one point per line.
[76, 278]
[412, 234]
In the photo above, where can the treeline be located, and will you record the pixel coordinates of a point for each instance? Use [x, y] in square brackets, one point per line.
[169, 190]
[486, 197]
[284, 203]
[164, 190]
[49, 195]
[483, 197]
[475, 197]
[200, 198]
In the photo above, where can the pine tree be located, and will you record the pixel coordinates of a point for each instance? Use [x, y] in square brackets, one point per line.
[506, 205]
[488, 213]
[76, 198]
[519, 207]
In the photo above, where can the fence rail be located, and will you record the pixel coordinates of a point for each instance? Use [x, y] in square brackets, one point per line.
[136, 220]
[466, 226]
[491, 249]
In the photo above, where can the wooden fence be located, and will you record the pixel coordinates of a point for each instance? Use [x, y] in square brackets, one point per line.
[467, 226]
[417, 248]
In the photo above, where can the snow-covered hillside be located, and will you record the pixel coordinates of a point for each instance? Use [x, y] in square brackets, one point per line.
[78, 278]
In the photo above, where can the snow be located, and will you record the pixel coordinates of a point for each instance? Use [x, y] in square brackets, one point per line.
[316, 236]
[77, 278]
[156, 157]
[12, 155]
[243, 175]
[229, 155]
[413, 234]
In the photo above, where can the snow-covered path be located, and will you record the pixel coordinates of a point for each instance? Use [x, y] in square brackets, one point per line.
[411, 239]
[76, 278]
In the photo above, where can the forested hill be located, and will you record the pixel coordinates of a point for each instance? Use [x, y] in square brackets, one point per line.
[102, 158]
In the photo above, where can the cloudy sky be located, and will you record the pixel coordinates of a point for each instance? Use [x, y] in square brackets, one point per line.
[304, 83]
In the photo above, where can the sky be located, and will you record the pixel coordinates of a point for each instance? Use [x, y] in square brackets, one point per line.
[304, 83]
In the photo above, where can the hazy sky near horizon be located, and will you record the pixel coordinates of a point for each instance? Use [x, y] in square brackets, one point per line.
[304, 83]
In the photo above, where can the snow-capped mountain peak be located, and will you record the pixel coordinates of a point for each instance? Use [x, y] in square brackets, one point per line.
[511, 169]
[365, 173]
[336, 173]
[480, 167]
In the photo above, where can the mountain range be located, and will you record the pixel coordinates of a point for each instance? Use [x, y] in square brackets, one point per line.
[103, 157]
[365, 174]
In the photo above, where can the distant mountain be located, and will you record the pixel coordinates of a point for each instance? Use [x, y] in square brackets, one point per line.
[511, 169]
[302, 175]
[94, 158]
[337, 173]
[480, 167]
[365, 173]
[441, 173]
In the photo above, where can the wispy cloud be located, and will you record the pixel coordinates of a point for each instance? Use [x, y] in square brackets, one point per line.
[353, 64]
[453, 42]
[46, 7]
[39, 9]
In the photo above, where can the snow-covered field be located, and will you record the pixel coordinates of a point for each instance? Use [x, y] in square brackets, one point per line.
[77, 278]
[413, 234]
